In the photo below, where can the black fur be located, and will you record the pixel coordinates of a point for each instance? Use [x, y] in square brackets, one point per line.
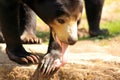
[94, 11]
[13, 25]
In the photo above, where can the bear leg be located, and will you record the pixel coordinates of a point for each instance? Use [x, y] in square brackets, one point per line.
[9, 26]
[28, 25]
[94, 11]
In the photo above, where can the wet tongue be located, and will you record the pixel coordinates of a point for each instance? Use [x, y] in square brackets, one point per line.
[64, 50]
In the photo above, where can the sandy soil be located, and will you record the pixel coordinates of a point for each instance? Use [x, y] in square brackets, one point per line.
[87, 59]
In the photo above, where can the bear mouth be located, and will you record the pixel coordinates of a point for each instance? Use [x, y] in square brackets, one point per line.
[64, 47]
[62, 44]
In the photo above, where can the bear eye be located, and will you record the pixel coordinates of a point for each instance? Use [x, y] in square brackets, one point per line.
[61, 21]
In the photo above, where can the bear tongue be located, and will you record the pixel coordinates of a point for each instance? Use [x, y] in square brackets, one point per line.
[64, 52]
[64, 47]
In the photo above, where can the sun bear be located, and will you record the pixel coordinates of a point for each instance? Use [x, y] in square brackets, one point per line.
[28, 21]
[62, 17]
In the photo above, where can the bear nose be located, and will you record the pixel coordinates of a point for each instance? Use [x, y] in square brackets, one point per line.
[72, 41]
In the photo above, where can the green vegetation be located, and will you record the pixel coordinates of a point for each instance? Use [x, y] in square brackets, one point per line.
[43, 35]
[112, 26]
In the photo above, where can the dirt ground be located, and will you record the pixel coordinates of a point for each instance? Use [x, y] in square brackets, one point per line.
[92, 59]
[103, 46]
[98, 69]
[87, 59]
[99, 59]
